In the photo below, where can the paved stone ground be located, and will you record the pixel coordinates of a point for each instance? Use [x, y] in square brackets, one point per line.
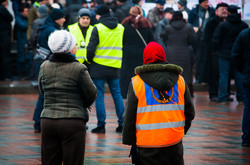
[214, 137]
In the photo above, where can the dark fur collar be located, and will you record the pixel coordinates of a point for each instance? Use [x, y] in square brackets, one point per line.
[62, 58]
[158, 67]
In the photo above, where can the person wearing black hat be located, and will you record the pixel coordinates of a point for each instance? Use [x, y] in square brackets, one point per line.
[223, 39]
[82, 31]
[168, 13]
[156, 14]
[210, 72]
[5, 44]
[54, 22]
[182, 6]
[122, 9]
[104, 53]
[198, 17]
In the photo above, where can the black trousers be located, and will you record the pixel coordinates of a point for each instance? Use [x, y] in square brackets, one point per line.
[172, 155]
[63, 140]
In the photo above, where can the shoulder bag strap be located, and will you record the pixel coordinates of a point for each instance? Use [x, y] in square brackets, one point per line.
[140, 36]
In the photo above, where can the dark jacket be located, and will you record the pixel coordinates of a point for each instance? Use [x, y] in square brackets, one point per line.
[159, 29]
[161, 77]
[67, 88]
[241, 55]
[179, 36]
[154, 17]
[226, 33]
[5, 22]
[193, 17]
[21, 25]
[123, 11]
[45, 30]
[133, 47]
[96, 70]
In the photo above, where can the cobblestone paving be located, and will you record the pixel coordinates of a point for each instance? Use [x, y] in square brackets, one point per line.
[214, 137]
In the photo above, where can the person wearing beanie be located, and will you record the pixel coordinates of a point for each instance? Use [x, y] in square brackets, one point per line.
[223, 44]
[182, 6]
[159, 110]
[133, 45]
[82, 31]
[198, 17]
[43, 12]
[122, 10]
[156, 14]
[68, 93]
[53, 22]
[211, 69]
[33, 14]
[104, 55]
[168, 13]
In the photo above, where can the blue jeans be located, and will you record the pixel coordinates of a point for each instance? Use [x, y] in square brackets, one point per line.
[99, 103]
[37, 112]
[246, 118]
[224, 68]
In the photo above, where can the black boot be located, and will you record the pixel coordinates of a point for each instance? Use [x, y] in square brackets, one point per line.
[100, 129]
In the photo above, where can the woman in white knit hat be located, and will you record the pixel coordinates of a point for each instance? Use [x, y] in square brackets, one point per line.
[68, 93]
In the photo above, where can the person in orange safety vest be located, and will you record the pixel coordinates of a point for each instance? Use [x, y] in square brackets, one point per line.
[158, 111]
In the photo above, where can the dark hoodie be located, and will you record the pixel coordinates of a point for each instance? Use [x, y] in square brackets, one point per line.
[96, 70]
[160, 75]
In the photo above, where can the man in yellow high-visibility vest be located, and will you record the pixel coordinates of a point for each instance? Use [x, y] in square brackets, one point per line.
[104, 53]
[82, 31]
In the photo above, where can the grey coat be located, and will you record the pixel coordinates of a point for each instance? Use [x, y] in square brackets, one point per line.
[67, 88]
[179, 36]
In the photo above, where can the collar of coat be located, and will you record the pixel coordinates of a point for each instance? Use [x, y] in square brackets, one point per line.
[62, 57]
[158, 67]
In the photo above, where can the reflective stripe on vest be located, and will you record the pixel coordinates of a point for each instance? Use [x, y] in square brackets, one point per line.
[81, 53]
[109, 50]
[160, 116]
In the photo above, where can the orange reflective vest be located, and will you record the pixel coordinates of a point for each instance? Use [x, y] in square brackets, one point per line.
[160, 116]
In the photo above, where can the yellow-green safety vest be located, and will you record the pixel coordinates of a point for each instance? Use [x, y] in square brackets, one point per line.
[109, 50]
[81, 52]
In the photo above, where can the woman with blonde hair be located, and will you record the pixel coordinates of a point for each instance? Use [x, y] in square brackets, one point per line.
[137, 34]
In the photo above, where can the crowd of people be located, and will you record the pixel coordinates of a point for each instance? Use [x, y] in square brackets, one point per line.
[135, 55]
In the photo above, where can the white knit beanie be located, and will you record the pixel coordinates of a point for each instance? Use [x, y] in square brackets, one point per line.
[61, 41]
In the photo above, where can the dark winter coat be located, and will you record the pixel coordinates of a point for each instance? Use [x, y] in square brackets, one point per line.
[21, 25]
[211, 66]
[45, 30]
[133, 47]
[154, 17]
[226, 33]
[241, 55]
[158, 76]
[35, 27]
[5, 22]
[67, 88]
[179, 36]
[97, 70]
[159, 29]
[193, 16]
[123, 11]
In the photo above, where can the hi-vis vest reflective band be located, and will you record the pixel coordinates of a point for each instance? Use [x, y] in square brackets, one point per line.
[81, 52]
[109, 49]
[160, 119]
